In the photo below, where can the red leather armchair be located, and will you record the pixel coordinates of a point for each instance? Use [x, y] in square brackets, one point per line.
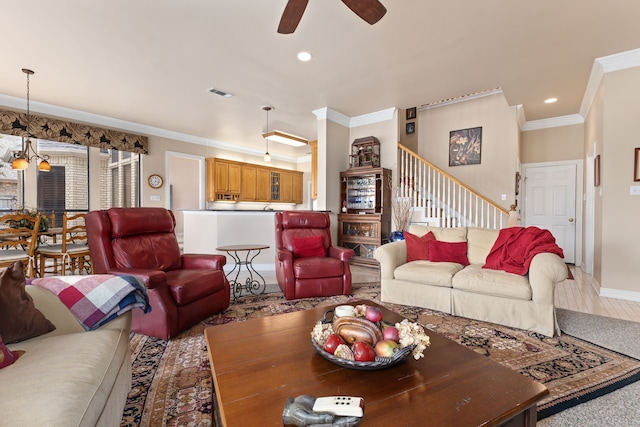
[309, 276]
[182, 289]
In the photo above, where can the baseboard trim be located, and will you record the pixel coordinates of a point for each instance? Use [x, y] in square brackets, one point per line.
[620, 294]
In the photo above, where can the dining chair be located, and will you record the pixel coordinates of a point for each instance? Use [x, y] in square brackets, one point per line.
[71, 254]
[18, 240]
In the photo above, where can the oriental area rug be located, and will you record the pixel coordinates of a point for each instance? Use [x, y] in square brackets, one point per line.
[172, 384]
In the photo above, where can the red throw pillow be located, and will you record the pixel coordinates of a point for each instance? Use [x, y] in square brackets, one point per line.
[7, 357]
[418, 247]
[304, 247]
[448, 252]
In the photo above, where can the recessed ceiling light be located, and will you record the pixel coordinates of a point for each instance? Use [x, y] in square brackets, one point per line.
[304, 56]
[550, 100]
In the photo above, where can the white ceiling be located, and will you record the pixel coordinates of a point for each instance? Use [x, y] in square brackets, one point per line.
[151, 62]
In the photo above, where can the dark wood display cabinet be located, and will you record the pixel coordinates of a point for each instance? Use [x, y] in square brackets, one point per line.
[365, 221]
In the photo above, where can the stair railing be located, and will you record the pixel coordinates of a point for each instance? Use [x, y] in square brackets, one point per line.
[441, 199]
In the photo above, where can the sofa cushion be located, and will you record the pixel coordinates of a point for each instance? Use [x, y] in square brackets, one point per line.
[493, 282]
[19, 317]
[480, 241]
[457, 234]
[418, 247]
[64, 379]
[448, 252]
[427, 272]
[304, 247]
[317, 267]
[187, 286]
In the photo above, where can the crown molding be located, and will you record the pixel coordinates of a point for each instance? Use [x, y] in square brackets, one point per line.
[327, 113]
[552, 122]
[112, 123]
[603, 65]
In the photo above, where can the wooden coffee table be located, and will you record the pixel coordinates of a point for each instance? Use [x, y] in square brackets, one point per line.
[257, 364]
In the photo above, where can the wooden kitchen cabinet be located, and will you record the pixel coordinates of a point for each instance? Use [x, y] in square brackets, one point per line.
[245, 182]
[248, 184]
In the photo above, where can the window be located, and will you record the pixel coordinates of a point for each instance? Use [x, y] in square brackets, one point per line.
[66, 186]
[120, 179]
[11, 181]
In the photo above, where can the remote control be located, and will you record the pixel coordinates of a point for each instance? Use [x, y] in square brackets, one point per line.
[346, 406]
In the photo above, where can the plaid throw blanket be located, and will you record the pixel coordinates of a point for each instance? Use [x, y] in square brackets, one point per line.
[99, 298]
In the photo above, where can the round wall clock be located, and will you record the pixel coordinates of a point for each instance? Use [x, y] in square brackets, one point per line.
[155, 181]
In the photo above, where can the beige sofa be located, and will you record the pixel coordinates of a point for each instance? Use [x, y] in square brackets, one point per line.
[67, 377]
[524, 302]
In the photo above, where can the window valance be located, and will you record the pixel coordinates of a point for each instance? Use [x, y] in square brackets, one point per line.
[14, 123]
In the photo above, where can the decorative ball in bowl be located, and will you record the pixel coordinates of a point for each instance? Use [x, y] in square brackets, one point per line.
[365, 341]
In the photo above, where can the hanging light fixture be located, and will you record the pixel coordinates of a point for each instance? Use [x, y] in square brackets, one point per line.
[21, 159]
[267, 156]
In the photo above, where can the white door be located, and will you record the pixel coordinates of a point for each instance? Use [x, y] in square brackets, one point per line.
[550, 203]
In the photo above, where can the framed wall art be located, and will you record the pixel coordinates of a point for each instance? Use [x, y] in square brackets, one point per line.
[465, 146]
[636, 164]
[596, 171]
[411, 128]
[411, 113]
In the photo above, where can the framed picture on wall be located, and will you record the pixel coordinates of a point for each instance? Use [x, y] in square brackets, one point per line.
[411, 128]
[596, 171]
[411, 113]
[465, 146]
[636, 164]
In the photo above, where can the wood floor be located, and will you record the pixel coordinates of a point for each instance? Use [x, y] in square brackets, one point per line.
[580, 295]
[577, 295]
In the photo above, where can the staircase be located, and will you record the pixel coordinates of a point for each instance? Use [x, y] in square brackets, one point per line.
[441, 200]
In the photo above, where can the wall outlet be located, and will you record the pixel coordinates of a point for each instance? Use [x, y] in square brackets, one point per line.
[154, 198]
[504, 197]
[635, 190]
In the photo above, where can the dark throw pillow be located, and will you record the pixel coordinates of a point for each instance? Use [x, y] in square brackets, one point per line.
[19, 317]
[304, 247]
[418, 247]
[448, 252]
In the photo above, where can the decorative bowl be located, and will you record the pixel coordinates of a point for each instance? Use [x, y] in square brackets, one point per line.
[379, 363]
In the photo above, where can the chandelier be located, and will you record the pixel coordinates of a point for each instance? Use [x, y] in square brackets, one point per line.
[21, 159]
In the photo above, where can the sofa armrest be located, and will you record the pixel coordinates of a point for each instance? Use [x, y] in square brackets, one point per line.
[66, 323]
[153, 279]
[390, 256]
[343, 254]
[203, 261]
[545, 271]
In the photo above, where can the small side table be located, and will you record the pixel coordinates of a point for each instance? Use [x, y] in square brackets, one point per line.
[253, 285]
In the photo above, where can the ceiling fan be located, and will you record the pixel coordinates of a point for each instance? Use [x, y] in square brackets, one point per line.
[369, 10]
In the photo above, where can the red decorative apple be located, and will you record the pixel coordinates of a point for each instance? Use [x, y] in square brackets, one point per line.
[386, 348]
[333, 341]
[373, 314]
[363, 352]
[391, 333]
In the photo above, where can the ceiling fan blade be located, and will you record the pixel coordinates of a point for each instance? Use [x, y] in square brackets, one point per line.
[291, 16]
[370, 10]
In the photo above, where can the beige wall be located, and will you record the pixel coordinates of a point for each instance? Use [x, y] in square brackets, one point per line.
[620, 210]
[496, 173]
[553, 144]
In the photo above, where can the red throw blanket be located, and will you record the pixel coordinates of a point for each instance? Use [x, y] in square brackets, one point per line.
[516, 246]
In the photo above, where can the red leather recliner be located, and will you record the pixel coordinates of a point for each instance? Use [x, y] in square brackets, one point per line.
[182, 289]
[303, 277]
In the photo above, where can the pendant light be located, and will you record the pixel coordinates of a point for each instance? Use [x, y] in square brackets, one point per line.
[21, 159]
[267, 156]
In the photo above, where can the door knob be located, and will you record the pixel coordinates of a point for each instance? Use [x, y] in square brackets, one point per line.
[570, 219]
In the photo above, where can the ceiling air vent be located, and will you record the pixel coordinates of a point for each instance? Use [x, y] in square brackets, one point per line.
[220, 92]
